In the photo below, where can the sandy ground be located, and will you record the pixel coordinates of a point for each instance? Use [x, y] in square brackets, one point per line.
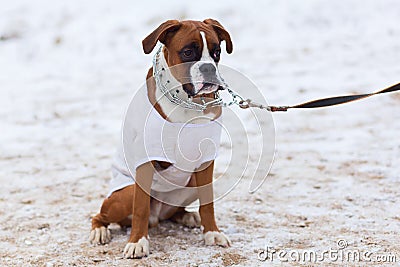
[69, 70]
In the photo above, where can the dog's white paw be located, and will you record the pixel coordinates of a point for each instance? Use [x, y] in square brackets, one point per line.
[212, 238]
[137, 250]
[100, 236]
[190, 219]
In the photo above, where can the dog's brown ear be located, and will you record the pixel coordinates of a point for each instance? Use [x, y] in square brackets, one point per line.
[223, 35]
[159, 35]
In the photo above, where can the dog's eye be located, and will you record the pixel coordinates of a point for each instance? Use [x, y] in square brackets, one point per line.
[188, 53]
[217, 54]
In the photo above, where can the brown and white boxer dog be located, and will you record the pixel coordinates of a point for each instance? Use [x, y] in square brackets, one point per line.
[197, 43]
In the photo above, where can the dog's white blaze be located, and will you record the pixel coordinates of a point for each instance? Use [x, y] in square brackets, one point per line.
[196, 76]
[205, 55]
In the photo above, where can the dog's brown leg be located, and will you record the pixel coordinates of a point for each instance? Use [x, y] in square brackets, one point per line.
[114, 209]
[212, 235]
[138, 245]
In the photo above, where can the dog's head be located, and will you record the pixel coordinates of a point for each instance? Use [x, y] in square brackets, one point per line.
[197, 44]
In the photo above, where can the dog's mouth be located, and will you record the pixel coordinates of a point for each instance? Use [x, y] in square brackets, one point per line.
[203, 88]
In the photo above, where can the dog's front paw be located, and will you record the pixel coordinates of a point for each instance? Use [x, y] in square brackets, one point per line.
[216, 238]
[100, 236]
[137, 250]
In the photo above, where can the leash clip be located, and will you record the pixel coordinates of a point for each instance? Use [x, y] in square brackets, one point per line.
[248, 103]
[244, 104]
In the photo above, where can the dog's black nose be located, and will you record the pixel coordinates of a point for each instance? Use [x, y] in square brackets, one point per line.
[207, 69]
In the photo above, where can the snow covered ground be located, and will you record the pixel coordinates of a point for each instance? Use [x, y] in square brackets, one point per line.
[68, 70]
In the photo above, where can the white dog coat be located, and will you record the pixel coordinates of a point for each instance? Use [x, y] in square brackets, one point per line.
[147, 136]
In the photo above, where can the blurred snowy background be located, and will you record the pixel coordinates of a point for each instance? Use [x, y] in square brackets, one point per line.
[68, 70]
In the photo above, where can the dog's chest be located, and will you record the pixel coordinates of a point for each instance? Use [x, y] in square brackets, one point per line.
[190, 147]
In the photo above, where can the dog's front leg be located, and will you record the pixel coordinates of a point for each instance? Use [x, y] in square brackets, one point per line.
[212, 235]
[138, 245]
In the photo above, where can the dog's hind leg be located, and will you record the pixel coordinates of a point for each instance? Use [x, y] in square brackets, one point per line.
[115, 209]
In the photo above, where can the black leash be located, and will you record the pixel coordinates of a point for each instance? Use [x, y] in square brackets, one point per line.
[324, 102]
